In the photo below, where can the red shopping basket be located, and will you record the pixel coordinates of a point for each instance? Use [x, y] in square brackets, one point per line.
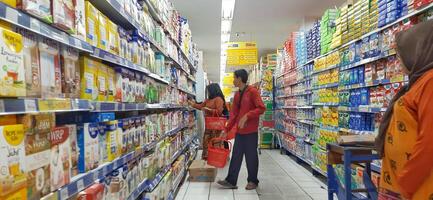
[217, 156]
[215, 123]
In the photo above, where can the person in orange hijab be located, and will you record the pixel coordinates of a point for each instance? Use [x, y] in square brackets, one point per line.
[405, 139]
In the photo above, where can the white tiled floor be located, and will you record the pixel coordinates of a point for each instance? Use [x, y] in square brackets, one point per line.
[280, 178]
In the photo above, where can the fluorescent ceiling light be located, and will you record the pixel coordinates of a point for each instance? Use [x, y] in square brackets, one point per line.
[227, 8]
[226, 26]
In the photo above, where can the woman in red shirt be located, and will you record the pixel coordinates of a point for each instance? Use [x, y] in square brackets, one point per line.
[215, 105]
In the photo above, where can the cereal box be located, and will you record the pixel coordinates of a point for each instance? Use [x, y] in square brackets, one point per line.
[31, 62]
[37, 164]
[12, 78]
[88, 144]
[12, 153]
[60, 157]
[51, 86]
[70, 72]
[63, 12]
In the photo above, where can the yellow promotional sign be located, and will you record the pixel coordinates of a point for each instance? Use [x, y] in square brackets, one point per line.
[227, 91]
[241, 53]
[228, 79]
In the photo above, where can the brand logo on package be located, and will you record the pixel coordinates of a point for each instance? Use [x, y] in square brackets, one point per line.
[59, 135]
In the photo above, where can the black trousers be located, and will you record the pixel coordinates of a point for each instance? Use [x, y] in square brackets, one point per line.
[244, 145]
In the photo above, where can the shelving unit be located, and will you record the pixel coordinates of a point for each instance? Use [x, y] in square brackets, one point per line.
[178, 77]
[297, 77]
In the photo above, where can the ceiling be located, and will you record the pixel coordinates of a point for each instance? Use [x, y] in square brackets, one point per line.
[266, 22]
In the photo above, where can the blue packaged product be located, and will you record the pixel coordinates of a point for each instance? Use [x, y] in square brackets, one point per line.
[88, 144]
[358, 97]
[358, 51]
[352, 98]
[361, 74]
[100, 117]
[374, 45]
[355, 76]
[352, 120]
[362, 122]
[357, 121]
[382, 7]
[381, 2]
[365, 47]
[351, 53]
[365, 96]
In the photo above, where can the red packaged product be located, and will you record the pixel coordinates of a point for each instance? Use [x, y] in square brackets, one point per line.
[380, 96]
[380, 70]
[94, 192]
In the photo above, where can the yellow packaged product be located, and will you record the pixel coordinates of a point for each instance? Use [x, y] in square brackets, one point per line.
[113, 143]
[13, 177]
[88, 71]
[11, 3]
[102, 31]
[113, 38]
[91, 24]
[102, 82]
[12, 77]
[111, 83]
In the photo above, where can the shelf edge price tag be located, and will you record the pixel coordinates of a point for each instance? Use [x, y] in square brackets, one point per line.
[30, 105]
[80, 185]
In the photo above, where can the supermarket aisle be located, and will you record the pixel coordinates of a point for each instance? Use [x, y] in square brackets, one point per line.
[280, 177]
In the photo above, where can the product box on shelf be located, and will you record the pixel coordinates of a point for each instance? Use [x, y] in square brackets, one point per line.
[13, 184]
[88, 144]
[37, 123]
[60, 162]
[200, 171]
[51, 86]
[111, 83]
[113, 38]
[63, 12]
[12, 74]
[102, 31]
[122, 83]
[102, 82]
[92, 24]
[80, 20]
[37, 164]
[31, 62]
[38, 8]
[116, 185]
[70, 70]
[94, 192]
[112, 140]
[89, 71]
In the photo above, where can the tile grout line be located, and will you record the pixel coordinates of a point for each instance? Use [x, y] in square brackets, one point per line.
[289, 176]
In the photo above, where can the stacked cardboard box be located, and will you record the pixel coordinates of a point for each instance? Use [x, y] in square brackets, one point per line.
[327, 29]
[374, 14]
[344, 23]
[313, 41]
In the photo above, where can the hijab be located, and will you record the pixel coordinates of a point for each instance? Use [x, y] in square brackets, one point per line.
[415, 49]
